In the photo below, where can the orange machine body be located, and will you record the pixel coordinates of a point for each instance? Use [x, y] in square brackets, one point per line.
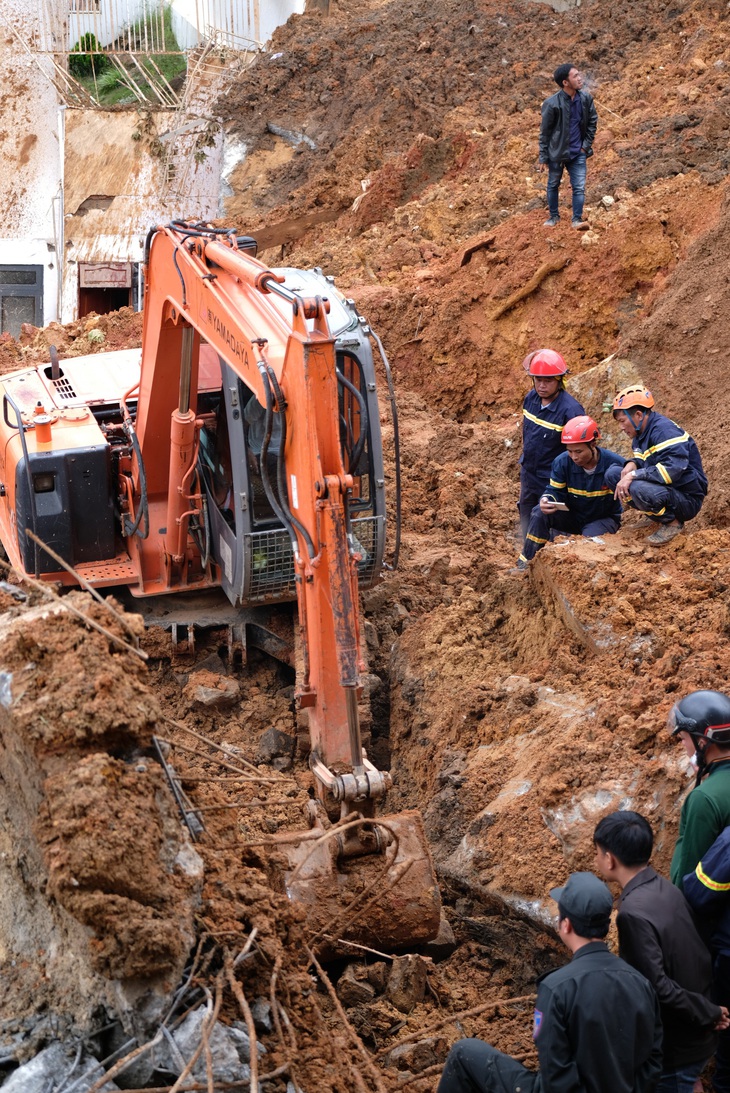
[242, 450]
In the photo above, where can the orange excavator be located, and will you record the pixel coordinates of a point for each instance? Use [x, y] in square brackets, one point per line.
[242, 453]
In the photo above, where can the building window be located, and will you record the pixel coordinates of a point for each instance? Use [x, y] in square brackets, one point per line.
[84, 7]
[21, 298]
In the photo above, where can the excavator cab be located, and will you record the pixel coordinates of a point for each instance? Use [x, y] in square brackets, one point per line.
[239, 466]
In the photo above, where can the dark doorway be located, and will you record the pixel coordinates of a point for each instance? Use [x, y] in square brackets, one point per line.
[21, 298]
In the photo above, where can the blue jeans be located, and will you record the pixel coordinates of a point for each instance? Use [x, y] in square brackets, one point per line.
[577, 174]
[682, 1080]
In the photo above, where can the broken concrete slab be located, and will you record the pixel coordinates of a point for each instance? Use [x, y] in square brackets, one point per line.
[56, 1064]
[230, 1049]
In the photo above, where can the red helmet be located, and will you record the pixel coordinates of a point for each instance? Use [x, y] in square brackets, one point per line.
[580, 430]
[544, 362]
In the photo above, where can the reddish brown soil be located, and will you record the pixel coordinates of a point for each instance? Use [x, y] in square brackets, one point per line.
[516, 712]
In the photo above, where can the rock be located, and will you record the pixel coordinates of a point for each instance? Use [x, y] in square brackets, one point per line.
[239, 1036]
[414, 1057]
[443, 944]
[229, 1048]
[206, 688]
[261, 1013]
[607, 201]
[275, 744]
[353, 987]
[43, 1072]
[407, 982]
[378, 975]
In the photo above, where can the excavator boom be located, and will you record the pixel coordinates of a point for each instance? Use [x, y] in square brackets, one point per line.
[245, 453]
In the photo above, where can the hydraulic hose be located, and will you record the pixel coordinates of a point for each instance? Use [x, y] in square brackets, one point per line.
[396, 447]
[268, 488]
[143, 511]
[280, 469]
[357, 394]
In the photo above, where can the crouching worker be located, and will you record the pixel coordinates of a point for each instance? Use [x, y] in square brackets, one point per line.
[664, 478]
[597, 1027]
[578, 501]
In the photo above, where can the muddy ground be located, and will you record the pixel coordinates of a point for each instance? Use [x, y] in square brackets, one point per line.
[514, 712]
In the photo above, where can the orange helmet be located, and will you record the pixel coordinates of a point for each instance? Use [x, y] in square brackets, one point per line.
[544, 362]
[580, 430]
[634, 396]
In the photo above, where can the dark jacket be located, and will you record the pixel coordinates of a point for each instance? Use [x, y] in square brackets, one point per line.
[657, 936]
[597, 1027]
[555, 126]
[705, 812]
[542, 427]
[664, 453]
[586, 495]
[708, 893]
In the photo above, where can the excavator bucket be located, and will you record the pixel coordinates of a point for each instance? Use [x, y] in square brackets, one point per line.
[364, 881]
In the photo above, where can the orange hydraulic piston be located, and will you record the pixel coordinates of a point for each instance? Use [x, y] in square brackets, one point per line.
[182, 448]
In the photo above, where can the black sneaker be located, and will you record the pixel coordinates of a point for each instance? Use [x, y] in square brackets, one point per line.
[552, 222]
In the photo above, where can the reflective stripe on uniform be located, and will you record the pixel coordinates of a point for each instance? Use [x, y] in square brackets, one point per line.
[539, 421]
[661, 446]
[590, 493]
[713, 885]
[664, 473]
[557, 485]
[534, 539]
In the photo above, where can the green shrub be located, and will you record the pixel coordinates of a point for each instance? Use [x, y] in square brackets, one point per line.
[86, 57]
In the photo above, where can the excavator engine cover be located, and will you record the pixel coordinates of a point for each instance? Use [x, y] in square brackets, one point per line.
[383, 895]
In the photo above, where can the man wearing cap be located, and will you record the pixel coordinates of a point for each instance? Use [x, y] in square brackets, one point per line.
[597, 1027]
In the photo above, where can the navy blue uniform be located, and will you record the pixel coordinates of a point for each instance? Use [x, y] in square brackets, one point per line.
[592, 508]
[707, 891]
[670, 482]
[541, 430]
[597, 1030]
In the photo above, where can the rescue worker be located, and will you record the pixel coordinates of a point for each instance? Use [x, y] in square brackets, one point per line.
[707, 891]
[597, 1027]
[702, 722]
[577, 479]
[664, 478]
[544, 412]
[657, 936]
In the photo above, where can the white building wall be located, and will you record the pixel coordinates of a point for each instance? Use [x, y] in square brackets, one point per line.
[30, 153]
[239, 25]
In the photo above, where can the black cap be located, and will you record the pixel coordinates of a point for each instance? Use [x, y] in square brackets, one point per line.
[585, 900]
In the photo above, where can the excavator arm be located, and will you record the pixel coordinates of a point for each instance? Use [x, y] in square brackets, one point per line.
[199, 285]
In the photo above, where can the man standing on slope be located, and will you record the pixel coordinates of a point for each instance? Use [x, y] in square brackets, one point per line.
[569, 122]
[597, 1027]
[664, 478]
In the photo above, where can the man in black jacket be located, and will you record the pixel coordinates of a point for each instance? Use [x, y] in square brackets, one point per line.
[597, 1027]
[567, 129]
[657, 936]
